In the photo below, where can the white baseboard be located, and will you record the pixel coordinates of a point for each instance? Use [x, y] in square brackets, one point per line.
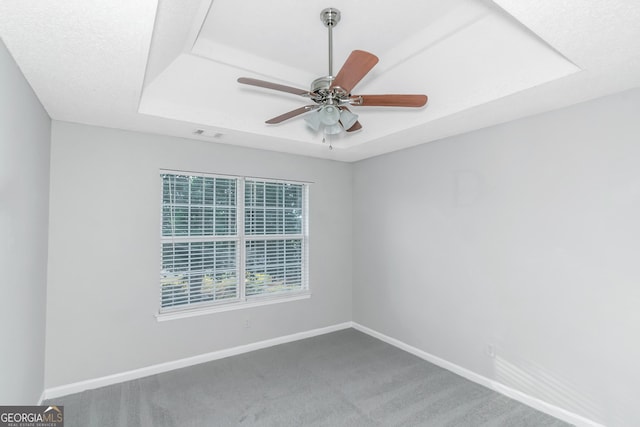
[560, 413]
[52, 393]
[514, 394]
[41, 398]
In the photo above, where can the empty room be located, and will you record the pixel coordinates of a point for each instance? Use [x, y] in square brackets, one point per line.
[286, 213]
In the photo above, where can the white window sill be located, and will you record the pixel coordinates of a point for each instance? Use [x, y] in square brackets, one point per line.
[258, 302]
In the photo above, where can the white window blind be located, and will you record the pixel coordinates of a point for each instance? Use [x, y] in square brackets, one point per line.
[226, 240]
[200, 242]
[275, 240]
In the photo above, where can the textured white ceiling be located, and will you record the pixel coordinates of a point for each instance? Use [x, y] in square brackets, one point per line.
[170, 67]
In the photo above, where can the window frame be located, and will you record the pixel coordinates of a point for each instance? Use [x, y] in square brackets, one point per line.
[241, 237]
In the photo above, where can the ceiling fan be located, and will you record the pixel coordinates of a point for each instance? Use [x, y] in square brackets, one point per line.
[331, 94]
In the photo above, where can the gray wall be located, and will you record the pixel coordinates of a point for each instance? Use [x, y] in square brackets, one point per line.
[24, 199]
[524, 237]
[103, 286]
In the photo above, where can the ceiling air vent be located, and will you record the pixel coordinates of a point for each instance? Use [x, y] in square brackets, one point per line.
[207, 133]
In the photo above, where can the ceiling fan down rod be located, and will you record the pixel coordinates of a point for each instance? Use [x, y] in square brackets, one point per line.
[330, 50]
[330, 18]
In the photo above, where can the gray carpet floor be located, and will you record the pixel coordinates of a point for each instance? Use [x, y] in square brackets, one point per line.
[345, 378]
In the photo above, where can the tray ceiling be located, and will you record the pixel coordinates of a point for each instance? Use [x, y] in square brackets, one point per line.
[170, 67]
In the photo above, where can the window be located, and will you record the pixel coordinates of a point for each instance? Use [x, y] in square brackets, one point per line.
[231, 240]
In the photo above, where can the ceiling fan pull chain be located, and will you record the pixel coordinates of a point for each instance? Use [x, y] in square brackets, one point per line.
[324, 140]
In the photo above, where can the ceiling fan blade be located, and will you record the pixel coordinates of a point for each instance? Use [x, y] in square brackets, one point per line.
[274, 86]
[291, 114]
[357, 65]
[356, 126]
[390, 100]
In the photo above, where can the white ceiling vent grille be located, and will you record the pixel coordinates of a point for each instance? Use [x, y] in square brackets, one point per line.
[207, 133]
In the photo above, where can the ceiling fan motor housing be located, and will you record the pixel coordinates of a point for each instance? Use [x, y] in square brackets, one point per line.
[322, 92]
[322, 85]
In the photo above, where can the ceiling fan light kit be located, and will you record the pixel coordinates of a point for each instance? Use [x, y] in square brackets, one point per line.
[331, 94]
[347, 118]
